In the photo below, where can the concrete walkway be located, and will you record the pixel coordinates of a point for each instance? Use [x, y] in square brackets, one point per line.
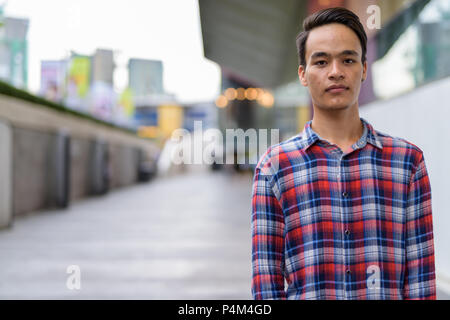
[182, 237]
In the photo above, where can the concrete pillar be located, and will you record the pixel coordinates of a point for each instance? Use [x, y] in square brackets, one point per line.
[99, 167]
[6, 212]
[59, 170]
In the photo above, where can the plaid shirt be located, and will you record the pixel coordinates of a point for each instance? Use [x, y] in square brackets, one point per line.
[334, 225]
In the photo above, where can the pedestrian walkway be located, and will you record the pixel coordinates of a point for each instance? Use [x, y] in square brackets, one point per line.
[182, 237]
[187, 236]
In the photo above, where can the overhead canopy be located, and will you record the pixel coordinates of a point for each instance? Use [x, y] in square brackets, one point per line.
[253, 39]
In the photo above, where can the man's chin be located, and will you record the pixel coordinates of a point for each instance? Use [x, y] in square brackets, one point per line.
[334, 106]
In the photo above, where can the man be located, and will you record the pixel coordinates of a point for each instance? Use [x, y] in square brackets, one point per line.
[341, 211]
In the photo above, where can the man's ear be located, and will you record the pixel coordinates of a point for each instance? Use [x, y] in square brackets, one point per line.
[301, 75]
[364, 75]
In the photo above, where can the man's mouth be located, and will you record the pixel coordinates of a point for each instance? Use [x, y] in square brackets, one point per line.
[336, 89]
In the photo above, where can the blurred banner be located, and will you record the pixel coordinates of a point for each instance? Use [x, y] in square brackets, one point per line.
[124, 111]
[18, 62]
[170, 118]
[78, 82]
[13, 50]
[102, 100]
[53, 78]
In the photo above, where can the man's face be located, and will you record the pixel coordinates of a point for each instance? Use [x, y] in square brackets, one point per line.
[334, 70]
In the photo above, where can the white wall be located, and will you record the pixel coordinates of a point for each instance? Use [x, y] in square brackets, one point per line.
[423, 118]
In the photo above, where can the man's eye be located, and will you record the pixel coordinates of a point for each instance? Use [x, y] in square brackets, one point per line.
[321, 63]
[349, 61]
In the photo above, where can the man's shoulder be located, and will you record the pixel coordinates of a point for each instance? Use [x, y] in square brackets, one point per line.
[396, 142]
[280, 152]
[399, 145]
[293, 143]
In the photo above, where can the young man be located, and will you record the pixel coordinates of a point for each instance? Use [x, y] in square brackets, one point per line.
[341, 211]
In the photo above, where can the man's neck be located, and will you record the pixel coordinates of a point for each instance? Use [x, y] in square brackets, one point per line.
[340, 128]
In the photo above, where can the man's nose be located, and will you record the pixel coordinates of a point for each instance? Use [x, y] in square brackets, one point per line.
[335, 71]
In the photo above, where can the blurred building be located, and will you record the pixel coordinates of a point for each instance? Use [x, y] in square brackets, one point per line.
[415, 44]
[434, 52]
[205, 112]
[103, 99]
[157, 113]
[145, 77]
[145, 81]
[103, 66]
[13, 50]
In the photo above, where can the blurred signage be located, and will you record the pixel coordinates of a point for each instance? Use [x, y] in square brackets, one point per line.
[53, 77]
[13, 50]
[148, 132]
[79, 74]
[170, 118]
[103, 100]
[78, 82]
[124, 111]
[18, 63]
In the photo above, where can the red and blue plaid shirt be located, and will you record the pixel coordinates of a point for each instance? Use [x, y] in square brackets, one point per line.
[335, 225]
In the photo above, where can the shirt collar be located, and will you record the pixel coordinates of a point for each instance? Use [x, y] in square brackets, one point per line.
[309, 136]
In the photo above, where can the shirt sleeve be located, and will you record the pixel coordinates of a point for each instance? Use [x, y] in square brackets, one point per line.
[420, 268]
[267, 240]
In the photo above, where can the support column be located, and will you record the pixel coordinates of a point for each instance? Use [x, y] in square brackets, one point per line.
[6, 210]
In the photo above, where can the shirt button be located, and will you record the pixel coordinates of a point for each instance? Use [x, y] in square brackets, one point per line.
[345, 194]
[348, 272]
[347, 232]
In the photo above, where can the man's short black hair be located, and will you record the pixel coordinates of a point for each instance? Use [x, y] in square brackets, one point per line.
[327, 16]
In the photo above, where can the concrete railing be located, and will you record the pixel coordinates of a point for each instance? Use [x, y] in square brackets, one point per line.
[52, 158]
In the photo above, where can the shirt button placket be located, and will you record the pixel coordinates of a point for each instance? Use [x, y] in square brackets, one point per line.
[342, 212]
[345, 235]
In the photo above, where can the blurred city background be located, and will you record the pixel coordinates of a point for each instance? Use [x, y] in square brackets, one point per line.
[91, 93]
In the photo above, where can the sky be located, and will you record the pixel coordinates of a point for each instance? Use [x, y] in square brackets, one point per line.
[167, 30]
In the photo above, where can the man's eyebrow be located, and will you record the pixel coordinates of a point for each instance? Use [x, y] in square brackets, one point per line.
[349, 53]
[319, 55]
